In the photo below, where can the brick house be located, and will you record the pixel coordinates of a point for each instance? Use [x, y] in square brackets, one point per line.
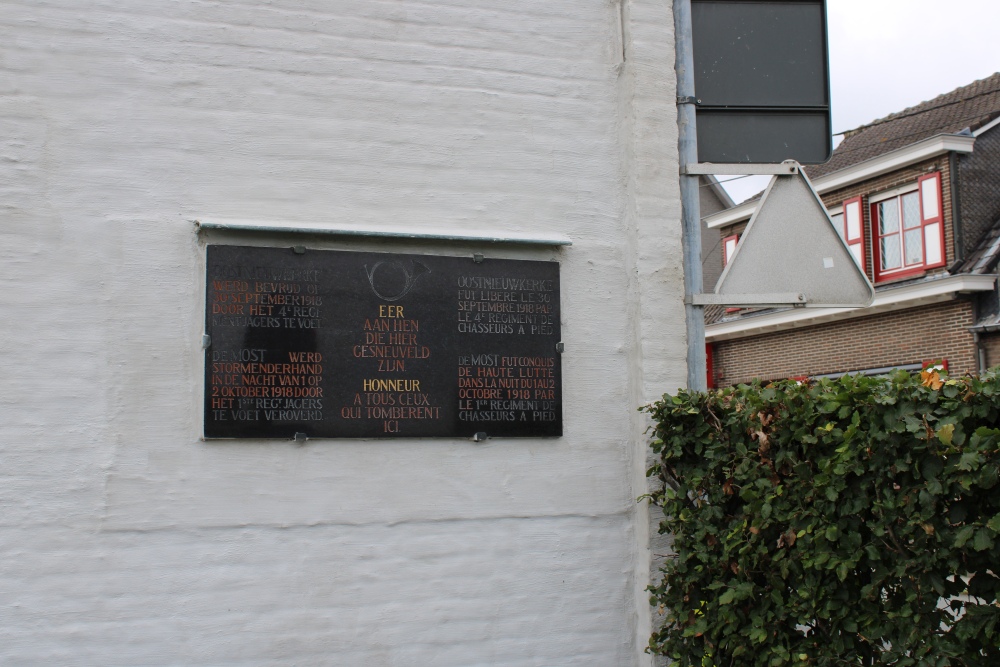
[916, 197]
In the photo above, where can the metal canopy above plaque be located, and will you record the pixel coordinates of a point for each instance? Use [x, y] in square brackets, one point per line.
[334, 344]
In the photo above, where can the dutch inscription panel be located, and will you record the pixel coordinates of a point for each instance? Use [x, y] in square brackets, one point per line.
[373, 345]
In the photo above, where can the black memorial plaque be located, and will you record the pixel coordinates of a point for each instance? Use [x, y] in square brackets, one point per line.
[373, 345]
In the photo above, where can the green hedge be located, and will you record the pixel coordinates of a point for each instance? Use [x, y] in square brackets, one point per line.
[846, 522]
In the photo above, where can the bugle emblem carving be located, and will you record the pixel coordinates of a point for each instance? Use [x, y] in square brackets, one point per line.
[391, 280]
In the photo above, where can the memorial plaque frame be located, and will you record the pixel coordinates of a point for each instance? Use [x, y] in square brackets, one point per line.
[346, 344]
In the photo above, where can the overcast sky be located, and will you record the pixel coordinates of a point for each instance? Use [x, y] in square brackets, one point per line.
[886, 55]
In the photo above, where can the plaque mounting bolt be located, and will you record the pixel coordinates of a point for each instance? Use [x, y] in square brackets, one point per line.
[206, 341]
[478, 258]
[479, 437]
[560, 347]
[299, 249]
[300, 438]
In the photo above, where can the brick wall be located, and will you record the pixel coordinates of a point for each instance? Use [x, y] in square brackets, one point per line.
[902, 337]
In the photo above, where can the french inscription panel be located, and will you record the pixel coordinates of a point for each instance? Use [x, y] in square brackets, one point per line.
[340, 344]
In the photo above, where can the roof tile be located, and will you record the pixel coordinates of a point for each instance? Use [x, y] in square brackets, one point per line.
[965, 108]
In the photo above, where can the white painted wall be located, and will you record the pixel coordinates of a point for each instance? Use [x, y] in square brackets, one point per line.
[127, 540]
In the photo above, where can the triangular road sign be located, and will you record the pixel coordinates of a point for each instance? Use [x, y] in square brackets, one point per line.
[791, 246]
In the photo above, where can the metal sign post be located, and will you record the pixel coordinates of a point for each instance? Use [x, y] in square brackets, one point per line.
[687, 144]
[762, 73]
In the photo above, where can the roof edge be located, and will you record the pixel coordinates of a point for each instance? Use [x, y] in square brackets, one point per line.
[987, 127]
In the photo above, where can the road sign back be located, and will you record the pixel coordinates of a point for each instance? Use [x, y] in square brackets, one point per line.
[792, 246]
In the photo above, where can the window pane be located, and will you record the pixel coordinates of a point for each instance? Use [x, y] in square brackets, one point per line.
[929, 195]
[853, 212]
[890, 252]
[932, 233]
[838, 223]
[913, 246]
[888, 216]
[911, 210]
[856, 251]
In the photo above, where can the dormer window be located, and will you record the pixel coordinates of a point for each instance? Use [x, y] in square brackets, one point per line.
[908, 230]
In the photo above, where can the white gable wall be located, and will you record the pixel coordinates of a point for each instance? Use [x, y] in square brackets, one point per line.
[125, 539]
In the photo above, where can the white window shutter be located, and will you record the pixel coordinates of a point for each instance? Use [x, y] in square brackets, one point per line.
[729, 247]
[932, 219]
[853, 229]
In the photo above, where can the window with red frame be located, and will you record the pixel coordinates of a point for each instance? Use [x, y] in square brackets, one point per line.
[908, 230]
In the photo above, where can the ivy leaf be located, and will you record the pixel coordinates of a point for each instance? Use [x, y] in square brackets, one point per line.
[982, 541]
[727, 597]
[913, 425]
[964, 536]
[937, 582]
[969, 461]
[994, 524]
[930, 378]
[945, 433]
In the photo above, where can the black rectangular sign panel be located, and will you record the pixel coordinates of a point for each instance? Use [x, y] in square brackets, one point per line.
[338, 344]
[763, 137]
[761, 78]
